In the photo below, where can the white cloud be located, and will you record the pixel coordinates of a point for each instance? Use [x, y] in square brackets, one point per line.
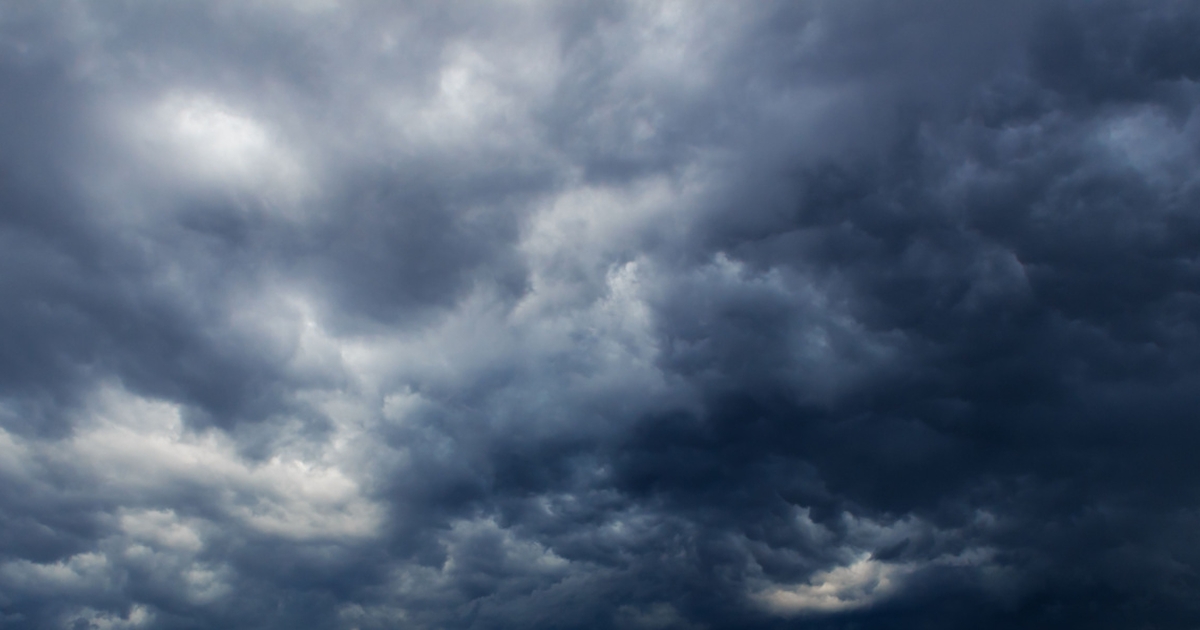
[861, 580]
[197, 140]
[161, 528]
[140, 449]
[857, 585]
[83, 572]
[138, 616]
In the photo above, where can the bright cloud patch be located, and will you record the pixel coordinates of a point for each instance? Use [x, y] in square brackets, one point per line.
[199, 140]
[856, 585]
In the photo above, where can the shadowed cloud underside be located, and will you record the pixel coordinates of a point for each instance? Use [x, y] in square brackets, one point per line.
[605, 314]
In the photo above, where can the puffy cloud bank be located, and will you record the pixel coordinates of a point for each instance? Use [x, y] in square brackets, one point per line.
[605, 314]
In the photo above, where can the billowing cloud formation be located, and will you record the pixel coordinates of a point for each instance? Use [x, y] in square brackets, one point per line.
[700, 315]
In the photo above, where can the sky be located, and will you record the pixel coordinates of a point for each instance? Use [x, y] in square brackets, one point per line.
[602, 314]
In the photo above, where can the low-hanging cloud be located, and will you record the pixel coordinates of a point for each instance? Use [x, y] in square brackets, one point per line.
[612, 314]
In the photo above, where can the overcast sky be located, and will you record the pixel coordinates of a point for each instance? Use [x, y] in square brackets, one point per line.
[831, 314]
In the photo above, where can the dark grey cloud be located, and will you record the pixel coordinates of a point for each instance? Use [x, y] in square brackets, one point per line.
[858, 314]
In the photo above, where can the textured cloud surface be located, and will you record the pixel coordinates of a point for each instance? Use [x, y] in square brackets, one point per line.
[611, 314]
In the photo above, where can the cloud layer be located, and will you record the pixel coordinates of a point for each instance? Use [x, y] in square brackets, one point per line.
[609, 314]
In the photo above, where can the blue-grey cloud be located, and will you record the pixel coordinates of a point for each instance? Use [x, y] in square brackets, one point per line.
[330, 314]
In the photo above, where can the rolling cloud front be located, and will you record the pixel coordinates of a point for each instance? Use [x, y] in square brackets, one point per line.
[600, 314]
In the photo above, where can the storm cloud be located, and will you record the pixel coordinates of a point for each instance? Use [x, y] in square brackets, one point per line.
[600, 314]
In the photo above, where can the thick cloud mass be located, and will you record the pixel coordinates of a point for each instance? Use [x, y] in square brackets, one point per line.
[638, 315]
